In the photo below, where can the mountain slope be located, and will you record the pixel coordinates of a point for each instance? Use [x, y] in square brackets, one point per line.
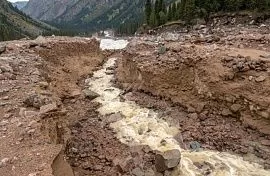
[20, 4]
[47, 10]
[102, 14]
[86, 15]
[14, 24]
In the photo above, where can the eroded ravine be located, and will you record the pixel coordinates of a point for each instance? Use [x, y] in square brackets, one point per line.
[141, 126]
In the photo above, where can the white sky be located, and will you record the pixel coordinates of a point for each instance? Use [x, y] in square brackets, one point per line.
[16, 0]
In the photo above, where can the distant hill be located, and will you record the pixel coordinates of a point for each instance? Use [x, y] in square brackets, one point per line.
[20, 4]
[14, 24]
[86, 15]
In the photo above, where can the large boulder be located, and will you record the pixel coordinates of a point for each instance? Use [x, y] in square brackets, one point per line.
[90, 94]
[167, 160]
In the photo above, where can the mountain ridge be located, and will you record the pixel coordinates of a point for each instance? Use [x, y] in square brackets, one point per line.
[20, 4]
[14, 24]
[87, 15]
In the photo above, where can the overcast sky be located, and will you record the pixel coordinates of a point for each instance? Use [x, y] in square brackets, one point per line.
[16, 0]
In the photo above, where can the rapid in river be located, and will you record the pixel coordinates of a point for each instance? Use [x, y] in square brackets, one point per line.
[141, 126]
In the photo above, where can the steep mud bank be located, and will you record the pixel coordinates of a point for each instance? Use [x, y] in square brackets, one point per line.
[61, 167]
[41, 95]
[213, 102]
[66, 65]
[141, 126]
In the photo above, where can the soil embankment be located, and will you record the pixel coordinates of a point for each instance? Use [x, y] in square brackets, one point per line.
[214, 89]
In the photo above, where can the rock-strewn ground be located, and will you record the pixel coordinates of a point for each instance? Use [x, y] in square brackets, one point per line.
[212, 81]
[40, 96]
[49, 125]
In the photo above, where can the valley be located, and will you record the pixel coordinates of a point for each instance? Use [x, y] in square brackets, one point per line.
[85, 16]
[191, 102]
[183, 96]
[14, 24]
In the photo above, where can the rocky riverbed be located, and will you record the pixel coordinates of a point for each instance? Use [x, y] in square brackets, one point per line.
[176, 103]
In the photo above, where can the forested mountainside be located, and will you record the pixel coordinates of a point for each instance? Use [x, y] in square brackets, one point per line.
[87, 15]
[158, 13]
[14, 24]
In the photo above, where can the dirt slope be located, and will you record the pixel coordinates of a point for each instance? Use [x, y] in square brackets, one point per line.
[217, 92]
[34, 74]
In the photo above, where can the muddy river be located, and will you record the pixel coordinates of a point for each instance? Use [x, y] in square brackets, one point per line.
[141, 126]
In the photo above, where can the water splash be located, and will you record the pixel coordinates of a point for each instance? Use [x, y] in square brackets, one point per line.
[111, 44]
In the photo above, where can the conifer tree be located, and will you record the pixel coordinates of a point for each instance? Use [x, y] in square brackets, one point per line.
[174, 11]
[189, 11]
[160, 5]
[163, 17]
[148, 10]
[153, 20]
[164, 9]
[182, 9]
[169, 16]
[157, 12]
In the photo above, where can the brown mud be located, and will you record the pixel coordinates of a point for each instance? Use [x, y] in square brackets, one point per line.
[217, 94]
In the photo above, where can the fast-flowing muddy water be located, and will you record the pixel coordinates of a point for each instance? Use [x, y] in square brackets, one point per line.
[141, 126]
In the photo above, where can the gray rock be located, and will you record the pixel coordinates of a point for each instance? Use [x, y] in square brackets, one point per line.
[199, 107]
[98, 167]
[167, 173]
[162, 50]
[109, 72]
[124, 163]
[6, 68]
[265, 142]
[167, 160]
[193, 115]
[137, 172]
[191, 109]
[260, 79]
[31, 131]
[43, 84]
[195, 146]
[35, 100]
[36, 72]
[90, 94]
[75, 93]
[265, 56]
[235, 108]
[265, 114]
[30, 114]
[48, 108]
[114, 118]
[33, 174]
[32, 123]
[4, 162]
[171, 37]
[149, 172]
[226, 112]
